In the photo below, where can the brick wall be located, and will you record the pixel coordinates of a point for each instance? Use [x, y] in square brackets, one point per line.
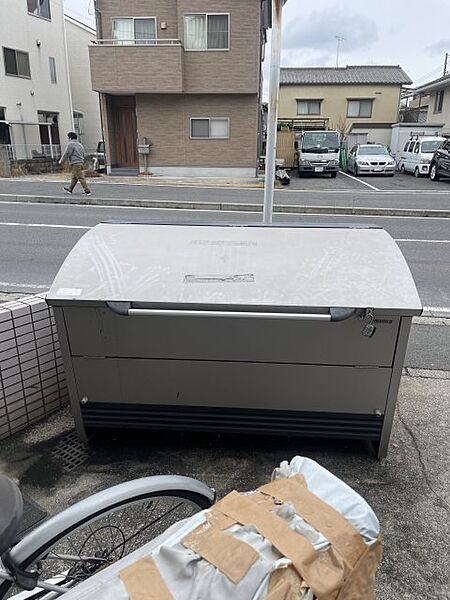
[133, 69]
[233, 71]
[32, 379]
[165, 120]
[5, 170]
[36, 166]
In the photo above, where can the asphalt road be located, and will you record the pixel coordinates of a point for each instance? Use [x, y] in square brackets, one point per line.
[35, 239]
[401, 191]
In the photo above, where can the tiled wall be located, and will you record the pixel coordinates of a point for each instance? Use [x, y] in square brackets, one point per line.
[32, 379]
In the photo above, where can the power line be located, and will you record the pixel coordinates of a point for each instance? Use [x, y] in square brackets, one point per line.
[433, 73]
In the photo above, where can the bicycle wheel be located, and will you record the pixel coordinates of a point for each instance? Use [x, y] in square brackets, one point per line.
[93, 534]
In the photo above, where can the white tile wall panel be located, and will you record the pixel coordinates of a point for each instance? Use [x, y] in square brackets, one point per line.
[32, 378]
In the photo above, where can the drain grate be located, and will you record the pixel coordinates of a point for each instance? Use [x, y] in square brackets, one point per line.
[72, 451]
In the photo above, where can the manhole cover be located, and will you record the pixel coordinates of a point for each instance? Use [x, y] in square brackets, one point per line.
[72, 451]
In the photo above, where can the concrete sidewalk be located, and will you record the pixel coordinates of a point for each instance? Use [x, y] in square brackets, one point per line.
[154, 180]
[409, 490]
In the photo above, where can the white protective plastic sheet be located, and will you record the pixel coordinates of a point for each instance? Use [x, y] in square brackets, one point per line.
[188, 576]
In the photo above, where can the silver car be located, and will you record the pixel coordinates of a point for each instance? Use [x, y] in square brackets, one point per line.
[370, 158]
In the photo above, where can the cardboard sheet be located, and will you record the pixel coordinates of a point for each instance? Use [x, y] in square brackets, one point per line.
[324, 572]
[219, 520]
[320, 515]
[231, 556]
[360, 583]
[287, 581]
[283, 591]
[144, 582]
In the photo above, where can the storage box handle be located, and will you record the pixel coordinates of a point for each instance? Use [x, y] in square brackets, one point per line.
[333, 314]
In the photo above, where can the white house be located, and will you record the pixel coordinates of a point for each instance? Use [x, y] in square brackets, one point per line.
[439, 103]
[39, 47]
[85, 102]
[35, 102]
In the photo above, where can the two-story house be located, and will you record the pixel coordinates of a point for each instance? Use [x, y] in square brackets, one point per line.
[185, 77]
[438, 92]
[362, 102]
[35, 102]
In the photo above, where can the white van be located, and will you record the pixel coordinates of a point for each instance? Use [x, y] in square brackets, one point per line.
[417, 154]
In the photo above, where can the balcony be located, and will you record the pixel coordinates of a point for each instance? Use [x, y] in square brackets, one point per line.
[137, 66]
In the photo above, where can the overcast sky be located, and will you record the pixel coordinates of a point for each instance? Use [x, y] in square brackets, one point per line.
[413, 34]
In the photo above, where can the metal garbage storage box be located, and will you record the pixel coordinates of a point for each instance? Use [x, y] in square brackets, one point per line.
[297, 330]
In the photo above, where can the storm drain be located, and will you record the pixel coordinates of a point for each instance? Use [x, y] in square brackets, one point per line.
[72, 451]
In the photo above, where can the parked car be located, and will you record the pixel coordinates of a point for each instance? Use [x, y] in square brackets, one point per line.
[440, 163]
[417, 154]
[370, 158]
[318, 152]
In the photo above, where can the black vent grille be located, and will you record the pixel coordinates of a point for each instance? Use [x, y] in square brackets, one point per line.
[225, 420]
[72, 451]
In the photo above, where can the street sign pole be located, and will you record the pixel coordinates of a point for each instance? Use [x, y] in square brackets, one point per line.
[272, 119]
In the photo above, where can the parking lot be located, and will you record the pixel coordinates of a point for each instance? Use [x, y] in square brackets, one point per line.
[348, 182]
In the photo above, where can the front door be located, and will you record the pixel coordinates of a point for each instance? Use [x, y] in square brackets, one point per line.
[125, 132]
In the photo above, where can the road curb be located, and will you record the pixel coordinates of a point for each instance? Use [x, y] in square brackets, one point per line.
[230, 206]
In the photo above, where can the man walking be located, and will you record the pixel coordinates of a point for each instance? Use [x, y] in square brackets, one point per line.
[74, 154]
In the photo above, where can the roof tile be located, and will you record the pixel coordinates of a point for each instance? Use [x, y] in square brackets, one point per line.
[352, 75]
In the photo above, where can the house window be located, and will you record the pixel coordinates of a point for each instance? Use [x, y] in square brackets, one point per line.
[359, 108]
[52, 65]
[16, 63]
[216, 128]
[308, 107]
[78, 124]
[207, 32]
[439, 101]
[134, 31]
[5, 137]
[40, 8]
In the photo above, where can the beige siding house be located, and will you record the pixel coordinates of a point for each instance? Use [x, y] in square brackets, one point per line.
[439, 102]
[183, 77]
[362, 102]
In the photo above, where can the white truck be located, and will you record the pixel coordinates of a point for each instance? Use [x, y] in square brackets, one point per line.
[318, 152]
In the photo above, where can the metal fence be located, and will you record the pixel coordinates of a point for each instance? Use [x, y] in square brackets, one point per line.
[138, 42]
[30, 151]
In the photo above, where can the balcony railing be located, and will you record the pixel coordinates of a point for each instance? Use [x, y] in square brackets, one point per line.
[137, 42]
[30, 151]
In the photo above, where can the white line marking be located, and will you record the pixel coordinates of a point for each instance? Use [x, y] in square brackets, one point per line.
[423, 241]
[31, 286]
[259, 189]
[50, 225]
[360, 181]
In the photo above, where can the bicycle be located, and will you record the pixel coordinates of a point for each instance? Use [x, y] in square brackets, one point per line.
[73, 545]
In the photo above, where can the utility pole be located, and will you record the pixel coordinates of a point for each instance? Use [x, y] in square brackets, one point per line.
[272, 117]
[445, 63]
[340, 39]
